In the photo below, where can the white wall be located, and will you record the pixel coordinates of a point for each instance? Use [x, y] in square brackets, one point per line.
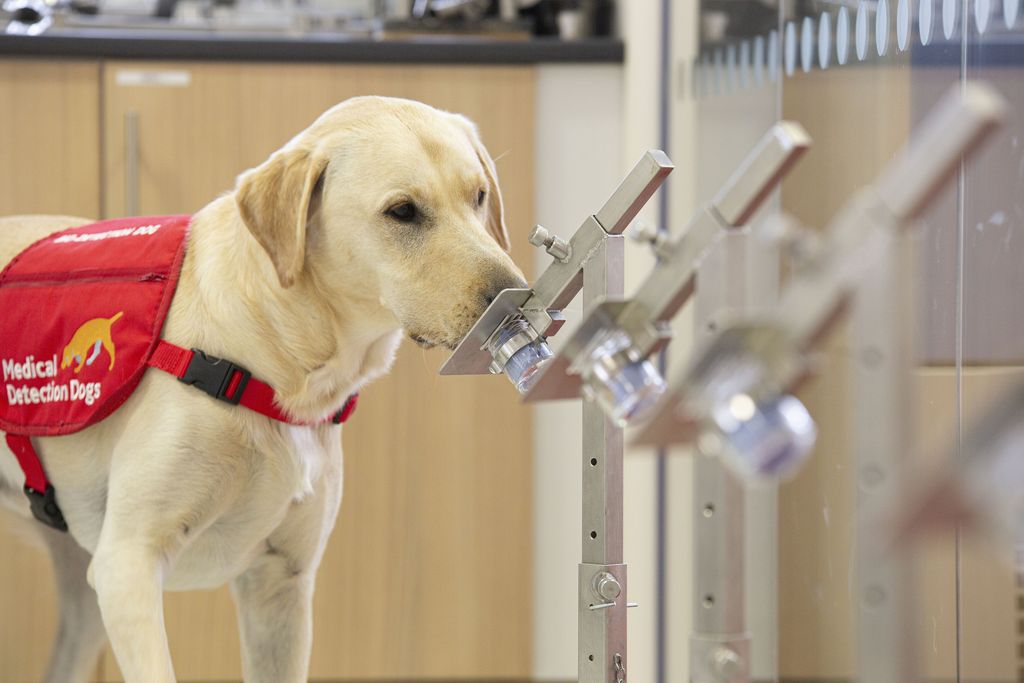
[683, 200]
[640, 25]
[581, 158]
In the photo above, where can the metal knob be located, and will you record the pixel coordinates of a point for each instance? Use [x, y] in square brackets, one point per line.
[607, 586]
[726, 663]
[553, 244]
[647, 233]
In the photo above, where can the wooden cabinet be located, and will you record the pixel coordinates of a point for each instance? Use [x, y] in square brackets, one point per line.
[428, 573]
[49, 163]
[49, 137]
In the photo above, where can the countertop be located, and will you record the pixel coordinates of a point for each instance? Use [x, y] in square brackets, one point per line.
[208, 46]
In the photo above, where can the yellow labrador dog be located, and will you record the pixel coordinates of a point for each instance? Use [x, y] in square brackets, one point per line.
[384, 217]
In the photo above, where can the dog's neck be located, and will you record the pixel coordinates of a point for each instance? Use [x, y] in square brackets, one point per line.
[313, 349]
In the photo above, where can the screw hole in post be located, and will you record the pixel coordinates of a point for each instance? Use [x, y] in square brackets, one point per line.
[590, 657]
[593, 462]
[709, 601]
[593, 534]
[709, 510]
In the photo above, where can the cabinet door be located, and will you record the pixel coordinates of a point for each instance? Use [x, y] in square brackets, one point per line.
[49, 163]
[428, 570]
[49, 137]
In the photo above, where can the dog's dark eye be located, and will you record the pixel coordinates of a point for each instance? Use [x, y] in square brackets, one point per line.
[405, 212]
[481, 197]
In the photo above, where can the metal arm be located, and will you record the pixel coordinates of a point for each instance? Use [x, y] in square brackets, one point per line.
[979, 484]
[770, 351]
[642, 319]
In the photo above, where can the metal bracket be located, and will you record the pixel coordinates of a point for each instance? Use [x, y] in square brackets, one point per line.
[471, 356]
[602, 631]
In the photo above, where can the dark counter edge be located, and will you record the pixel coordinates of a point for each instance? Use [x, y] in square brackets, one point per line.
[205, 47]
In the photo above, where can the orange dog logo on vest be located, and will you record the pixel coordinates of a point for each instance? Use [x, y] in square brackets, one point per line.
[84, 347]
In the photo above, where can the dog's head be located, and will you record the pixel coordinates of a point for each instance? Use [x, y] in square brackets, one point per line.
[389, 200]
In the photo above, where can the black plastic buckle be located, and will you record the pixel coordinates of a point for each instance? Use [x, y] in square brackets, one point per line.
[213, 375]
[44, 507]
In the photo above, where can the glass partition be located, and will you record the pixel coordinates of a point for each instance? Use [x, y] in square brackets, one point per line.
[860, 75]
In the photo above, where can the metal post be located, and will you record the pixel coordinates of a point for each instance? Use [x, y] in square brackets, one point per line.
[602, 575]
[719, 644]
[883, 432]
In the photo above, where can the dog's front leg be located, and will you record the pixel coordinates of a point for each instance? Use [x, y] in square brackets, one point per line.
[128, 578]
[274, 598]
[163, 493]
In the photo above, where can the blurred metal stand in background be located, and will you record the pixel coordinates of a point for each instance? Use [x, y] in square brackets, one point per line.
[734, 401]
[720, 647]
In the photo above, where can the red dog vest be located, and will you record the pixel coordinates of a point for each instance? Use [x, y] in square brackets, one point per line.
[83, 310]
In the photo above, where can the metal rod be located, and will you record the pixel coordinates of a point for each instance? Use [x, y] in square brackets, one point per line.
[627, 200]
[719, 643]
[882, 401]
[720, 646]
[602, 632]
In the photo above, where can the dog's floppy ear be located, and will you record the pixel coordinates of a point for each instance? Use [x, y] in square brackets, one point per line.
[495, 205]
[277, 200]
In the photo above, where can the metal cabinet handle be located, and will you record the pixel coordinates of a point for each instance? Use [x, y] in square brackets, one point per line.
[131, 163]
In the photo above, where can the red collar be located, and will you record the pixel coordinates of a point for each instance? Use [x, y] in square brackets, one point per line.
[231, 383]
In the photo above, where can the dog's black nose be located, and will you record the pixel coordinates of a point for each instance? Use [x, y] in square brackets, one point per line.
[508, 281]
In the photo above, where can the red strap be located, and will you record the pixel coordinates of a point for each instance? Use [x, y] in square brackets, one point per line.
[256, 395]
[21, 446]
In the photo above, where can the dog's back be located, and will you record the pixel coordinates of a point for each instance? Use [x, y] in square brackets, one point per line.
[17, 232]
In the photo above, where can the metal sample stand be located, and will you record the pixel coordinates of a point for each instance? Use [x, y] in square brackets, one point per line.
[856, 244]
[592, 260]
[720, 648]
